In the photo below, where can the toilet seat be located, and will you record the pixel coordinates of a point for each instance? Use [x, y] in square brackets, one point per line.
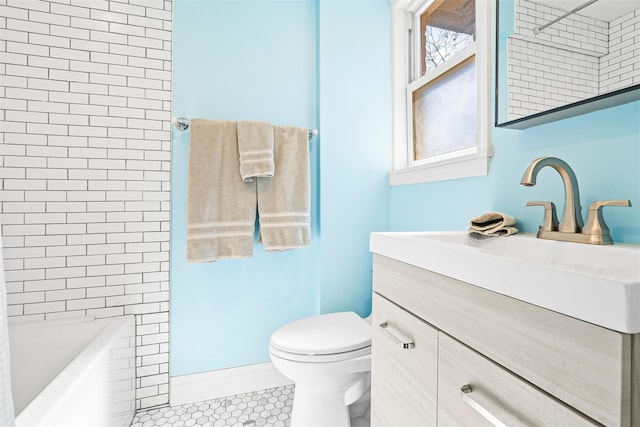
[324, 338]
[324, 358]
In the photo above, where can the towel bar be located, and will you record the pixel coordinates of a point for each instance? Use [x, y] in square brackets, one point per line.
[182, 123]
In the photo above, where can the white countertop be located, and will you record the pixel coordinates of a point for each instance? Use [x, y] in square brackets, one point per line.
[599, 284]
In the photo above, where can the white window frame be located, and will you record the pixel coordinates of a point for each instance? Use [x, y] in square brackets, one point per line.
[468, 162]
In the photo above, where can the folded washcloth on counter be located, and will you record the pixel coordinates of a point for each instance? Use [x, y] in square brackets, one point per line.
[492, 224]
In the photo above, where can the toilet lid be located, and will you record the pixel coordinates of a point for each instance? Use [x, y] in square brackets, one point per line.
[324, 334]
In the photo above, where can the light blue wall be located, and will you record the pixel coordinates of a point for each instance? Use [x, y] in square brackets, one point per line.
[326, 64]
[355, 115]
[284, 62]
[603, 148]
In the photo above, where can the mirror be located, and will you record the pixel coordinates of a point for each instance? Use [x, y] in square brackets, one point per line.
[561, 58]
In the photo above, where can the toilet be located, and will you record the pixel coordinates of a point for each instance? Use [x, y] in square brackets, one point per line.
[328, 357]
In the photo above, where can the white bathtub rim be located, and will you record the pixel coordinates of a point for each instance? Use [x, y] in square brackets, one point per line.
[19, 322]
[40, 410]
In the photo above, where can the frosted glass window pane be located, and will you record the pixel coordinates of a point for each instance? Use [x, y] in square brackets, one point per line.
[444, 113]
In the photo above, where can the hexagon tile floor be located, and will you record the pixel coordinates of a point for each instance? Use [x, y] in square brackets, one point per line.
[269, 408]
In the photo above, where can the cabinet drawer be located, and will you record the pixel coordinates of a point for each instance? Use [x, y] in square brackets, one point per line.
[494, 390]
[403, 380]
[584, 365]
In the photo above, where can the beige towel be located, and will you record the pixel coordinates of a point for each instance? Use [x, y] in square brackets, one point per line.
[284, 201]
[255, 145]
[493, 224]
[221, 208]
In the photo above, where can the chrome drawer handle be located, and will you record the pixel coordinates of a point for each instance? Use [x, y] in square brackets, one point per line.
[464, 393]
[404, 342]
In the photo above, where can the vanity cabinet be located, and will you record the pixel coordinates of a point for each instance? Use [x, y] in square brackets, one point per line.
[406, 378]
[493, 389]
[523, 365]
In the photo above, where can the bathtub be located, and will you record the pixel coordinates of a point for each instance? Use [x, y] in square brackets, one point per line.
[74, 372]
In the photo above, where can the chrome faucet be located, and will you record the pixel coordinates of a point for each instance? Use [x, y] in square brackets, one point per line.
[571, 228]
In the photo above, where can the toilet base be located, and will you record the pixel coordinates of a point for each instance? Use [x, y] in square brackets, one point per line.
[315, 406]
[308, 411]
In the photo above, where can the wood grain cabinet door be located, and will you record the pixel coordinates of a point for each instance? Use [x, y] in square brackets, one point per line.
[404, 367]
[473, 391]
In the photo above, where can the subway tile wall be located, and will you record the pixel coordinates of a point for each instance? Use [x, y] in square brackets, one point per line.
[543, 77]
[576, 58]
[85, 93]
[576, 32]
[559, 65]
[620, 67]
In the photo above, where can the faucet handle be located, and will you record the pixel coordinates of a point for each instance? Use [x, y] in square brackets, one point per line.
[595, 221]
[550, 220]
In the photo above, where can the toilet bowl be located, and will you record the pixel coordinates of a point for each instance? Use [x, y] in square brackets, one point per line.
[328, 357]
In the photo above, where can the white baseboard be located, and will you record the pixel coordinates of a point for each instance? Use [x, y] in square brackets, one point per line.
[225, 382]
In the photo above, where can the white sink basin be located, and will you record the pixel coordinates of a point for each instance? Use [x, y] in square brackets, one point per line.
[598, 284]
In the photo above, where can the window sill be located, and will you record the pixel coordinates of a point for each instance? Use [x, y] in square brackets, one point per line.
[460, 167]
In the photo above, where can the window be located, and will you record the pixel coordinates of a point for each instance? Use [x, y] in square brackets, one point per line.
[441, 81]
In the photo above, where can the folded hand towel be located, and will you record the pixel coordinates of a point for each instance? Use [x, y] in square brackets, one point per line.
[492, 224]
[221, 208]
[284, 202]
[255, 145]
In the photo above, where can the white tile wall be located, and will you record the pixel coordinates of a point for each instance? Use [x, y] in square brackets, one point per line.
[576, 31]
[621, 66]
[542, 77]
[84, 166]
[559, 65]
[573, 59]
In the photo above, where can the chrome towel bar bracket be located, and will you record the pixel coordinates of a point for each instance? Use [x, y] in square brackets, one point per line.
[182, 123]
